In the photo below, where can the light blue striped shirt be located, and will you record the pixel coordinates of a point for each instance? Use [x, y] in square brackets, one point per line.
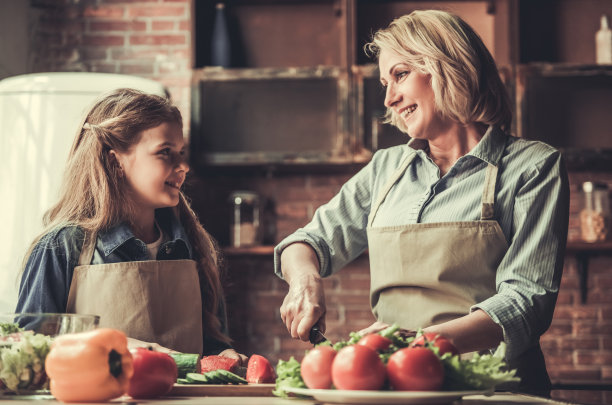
[531, 206]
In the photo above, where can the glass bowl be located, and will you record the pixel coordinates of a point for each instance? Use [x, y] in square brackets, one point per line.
[25, 340]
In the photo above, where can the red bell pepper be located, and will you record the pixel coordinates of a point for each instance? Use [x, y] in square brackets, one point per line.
[154, 374]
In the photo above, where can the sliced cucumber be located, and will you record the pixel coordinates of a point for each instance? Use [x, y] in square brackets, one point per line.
[231, 377]
[197, 378]
[183, 381]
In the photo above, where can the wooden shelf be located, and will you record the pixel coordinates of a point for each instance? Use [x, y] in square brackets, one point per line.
[583, 252]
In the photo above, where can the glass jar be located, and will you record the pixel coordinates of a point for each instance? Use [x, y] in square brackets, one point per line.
[245, 225]
[595, 212]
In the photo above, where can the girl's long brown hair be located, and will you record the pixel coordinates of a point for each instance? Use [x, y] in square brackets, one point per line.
[92, 191]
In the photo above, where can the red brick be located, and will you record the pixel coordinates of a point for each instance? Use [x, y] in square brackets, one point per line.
[103, 67]
[555, 358]
[292, 210]
[356, 286]
[585, 342]
[588, 358]
[162, 25]
[104, 12]
[103, 40]
[295, 345]
[185, 25]
[590, 328]
[157, 11]
[117, 25]
[359, 315]
[578, 373]
[348, 299]
[606, 343]
[157, 39]
[584, 397]
[560, 328]
[137, 69]
[566, 297]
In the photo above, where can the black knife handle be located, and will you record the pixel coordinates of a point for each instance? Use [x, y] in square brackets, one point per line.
[315, 335]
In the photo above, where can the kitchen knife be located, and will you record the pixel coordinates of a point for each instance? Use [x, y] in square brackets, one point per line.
[316, 336]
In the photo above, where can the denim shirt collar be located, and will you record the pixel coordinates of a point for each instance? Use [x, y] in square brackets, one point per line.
[490, 148]
[120, 234]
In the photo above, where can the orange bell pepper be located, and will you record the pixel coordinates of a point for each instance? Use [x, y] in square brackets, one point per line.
[92, 366]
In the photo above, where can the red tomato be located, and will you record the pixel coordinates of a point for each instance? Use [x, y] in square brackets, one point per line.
[415, 369]
[259, 370]
[154, 374]
[358, 367]
[443, 344]
[316, 367]
[375, 341]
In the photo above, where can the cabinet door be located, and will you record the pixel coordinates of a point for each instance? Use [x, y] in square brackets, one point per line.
[263, 116]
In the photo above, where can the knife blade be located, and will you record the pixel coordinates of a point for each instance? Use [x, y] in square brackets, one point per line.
[316, 336]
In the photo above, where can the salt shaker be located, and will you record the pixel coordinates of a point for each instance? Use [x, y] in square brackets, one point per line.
[595, 212]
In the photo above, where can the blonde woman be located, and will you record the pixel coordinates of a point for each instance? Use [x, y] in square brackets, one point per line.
[122, 241]
[465, 225]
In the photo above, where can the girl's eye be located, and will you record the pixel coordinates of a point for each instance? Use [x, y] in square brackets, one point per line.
[165, 152]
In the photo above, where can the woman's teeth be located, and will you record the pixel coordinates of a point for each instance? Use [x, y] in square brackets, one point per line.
[408, 111]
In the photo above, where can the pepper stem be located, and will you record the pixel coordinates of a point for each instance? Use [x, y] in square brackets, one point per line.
[114, 363]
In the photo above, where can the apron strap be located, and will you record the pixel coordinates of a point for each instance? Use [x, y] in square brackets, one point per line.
[488, 193]
[89, 246]
[392, 180]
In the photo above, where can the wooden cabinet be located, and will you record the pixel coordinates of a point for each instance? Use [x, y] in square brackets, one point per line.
[302, 91]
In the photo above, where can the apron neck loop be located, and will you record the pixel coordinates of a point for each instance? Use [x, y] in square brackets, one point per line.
[488, 193]
[89, 245]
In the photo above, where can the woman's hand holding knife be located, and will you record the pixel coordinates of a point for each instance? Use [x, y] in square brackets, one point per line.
[304, 304]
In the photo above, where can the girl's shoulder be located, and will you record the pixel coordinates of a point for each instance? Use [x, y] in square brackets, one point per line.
[66, 238]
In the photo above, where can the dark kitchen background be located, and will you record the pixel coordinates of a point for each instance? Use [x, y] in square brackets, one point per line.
[296, 114]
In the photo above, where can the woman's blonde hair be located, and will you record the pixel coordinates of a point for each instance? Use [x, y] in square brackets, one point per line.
[92, 190]
[464, 77]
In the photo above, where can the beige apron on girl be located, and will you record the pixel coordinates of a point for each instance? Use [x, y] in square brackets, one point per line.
[155, 301]
[428, 273]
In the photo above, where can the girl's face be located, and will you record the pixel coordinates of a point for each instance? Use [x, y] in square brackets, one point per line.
[410, 96]
[155, 167]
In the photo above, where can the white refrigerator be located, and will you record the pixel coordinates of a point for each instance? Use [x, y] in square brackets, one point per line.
[39, 115]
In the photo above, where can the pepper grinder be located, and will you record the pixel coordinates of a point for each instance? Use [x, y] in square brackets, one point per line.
[603, 43]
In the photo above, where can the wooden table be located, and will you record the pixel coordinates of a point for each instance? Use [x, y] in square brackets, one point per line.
[497, 399]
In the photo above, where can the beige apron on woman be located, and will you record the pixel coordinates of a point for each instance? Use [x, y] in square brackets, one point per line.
[428, 273]
[155, 301]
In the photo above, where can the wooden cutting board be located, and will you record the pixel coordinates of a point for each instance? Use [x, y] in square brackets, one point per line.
[222, 390]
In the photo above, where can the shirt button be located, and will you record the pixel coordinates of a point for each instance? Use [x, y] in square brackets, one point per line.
[168, 250]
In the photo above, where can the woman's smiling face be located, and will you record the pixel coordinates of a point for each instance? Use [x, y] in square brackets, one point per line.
[410, 96]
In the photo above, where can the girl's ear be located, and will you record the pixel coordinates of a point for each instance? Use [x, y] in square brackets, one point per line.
[115, 161]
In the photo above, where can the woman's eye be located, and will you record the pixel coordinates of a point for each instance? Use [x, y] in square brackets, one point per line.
[165, 152]
[400, 75]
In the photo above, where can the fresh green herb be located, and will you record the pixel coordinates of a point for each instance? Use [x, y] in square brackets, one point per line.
[289, 376]
[481, 372]
[8, 328]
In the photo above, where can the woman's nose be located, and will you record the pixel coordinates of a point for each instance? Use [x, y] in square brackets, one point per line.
[391, 96]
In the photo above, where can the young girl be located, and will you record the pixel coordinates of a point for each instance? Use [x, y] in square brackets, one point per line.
[122, 242]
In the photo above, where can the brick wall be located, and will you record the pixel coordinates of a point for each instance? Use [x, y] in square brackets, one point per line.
[150, 38]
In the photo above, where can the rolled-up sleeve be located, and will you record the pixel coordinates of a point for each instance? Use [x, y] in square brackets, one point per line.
[529, 275]
[337, 232]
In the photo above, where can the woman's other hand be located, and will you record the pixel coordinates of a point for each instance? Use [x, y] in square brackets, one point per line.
[135, 343]
[233, 354]
[378, 326]
[304, 304]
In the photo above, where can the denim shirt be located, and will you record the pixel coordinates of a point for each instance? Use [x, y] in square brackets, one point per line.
[48, 272]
